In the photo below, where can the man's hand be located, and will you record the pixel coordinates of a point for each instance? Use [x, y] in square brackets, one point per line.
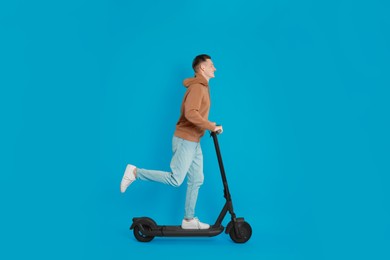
[218, 129]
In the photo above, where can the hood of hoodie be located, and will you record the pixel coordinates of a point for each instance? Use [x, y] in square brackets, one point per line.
[198, 79]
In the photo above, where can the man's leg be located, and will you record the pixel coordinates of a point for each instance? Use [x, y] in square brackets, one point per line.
[183, 153]
[194, 181]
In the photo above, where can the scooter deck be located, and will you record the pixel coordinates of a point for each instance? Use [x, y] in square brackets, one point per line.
[177, 231]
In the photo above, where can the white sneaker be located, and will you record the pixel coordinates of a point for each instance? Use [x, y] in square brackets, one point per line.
[194, 224]
[128, 177]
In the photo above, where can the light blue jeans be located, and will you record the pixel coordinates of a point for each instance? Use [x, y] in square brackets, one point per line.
[187, 160]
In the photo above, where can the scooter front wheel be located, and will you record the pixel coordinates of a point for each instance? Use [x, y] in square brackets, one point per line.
[245, 231]
[140, 236]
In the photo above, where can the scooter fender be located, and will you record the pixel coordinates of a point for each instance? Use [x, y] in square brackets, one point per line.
[231, 224]
[143, 221]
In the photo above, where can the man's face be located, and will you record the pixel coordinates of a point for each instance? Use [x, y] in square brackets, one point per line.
[208, 68]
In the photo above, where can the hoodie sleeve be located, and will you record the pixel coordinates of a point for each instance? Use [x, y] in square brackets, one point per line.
[191, 109]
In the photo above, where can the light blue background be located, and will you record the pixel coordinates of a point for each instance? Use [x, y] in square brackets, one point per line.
[301, 88]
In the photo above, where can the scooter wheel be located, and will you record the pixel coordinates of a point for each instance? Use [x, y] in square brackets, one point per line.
[141, 237]
[245, 231]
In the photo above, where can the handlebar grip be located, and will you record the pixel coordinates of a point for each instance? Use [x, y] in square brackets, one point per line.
[216, 132]
[219, 131]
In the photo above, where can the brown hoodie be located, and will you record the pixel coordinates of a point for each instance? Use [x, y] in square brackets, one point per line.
[195, 109]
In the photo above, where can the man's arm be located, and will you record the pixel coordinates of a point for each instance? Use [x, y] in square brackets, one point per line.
[191, 109]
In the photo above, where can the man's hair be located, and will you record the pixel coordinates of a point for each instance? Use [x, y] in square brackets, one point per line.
[199, 59]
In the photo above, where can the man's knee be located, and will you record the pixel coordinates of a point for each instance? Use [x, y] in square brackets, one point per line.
[196, 181]
[176, 182]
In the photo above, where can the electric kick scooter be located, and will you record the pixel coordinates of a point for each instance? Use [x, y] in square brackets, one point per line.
[145, 229]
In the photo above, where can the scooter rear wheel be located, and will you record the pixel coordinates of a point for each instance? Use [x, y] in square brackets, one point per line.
[245, 232]
[140, 236]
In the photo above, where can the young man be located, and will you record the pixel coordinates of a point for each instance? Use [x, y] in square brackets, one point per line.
[187, 159]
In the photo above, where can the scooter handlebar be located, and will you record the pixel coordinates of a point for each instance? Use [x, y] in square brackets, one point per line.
[216, 132]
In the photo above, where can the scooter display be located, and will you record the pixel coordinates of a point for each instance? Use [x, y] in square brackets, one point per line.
[145, 228]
